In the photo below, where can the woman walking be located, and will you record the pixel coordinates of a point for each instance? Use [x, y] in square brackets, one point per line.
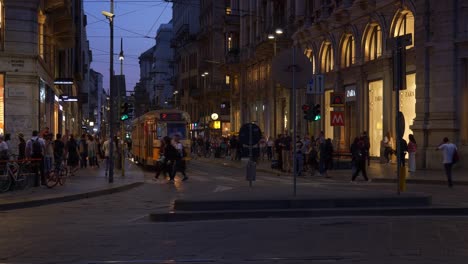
[412, 147]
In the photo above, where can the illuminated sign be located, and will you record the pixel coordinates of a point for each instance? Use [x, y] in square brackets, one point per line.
[171, 116]
[350, 93]
[337, 99]
[217, 124]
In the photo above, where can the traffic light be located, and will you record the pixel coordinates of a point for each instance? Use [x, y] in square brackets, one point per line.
[316, 113]
[124, 112]
[306, 109]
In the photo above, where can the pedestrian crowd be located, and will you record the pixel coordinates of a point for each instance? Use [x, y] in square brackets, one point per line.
[172, 158]
[314, 155]
[50, 153]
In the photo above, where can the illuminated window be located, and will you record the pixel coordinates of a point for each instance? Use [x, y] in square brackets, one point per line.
[405, 25]
[41, 35]
[348, 53]
[310, 54]
[229, 43]
[228, 79]
[228, 10]
[373, 43]
[327, 64]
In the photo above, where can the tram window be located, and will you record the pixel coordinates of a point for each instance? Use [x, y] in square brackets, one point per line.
[176, 129]
[161, 130]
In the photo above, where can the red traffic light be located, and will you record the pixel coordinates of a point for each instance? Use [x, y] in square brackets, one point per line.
[305, 107]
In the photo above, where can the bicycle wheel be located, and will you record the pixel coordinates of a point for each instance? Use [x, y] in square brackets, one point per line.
[52, 179]
[23, 179]
[5, 182]
[63, 175]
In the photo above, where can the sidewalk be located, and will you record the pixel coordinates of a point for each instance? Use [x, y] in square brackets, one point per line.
[86, 183]
[376, 171]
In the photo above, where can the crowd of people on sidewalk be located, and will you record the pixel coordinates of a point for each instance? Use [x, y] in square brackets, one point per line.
[315, 154]
[49, 153]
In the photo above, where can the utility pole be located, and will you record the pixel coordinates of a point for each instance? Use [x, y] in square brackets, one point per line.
[399, 83]
[111, 16]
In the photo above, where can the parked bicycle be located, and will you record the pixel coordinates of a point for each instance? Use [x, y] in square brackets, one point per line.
[17, 173]
[58, 175]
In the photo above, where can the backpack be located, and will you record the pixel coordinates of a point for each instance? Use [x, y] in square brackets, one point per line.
[36, 148]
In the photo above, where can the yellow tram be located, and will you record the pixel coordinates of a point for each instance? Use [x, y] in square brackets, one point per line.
[149, 129]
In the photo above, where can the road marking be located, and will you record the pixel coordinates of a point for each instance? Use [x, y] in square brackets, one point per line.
[226, 178]
[221, 188]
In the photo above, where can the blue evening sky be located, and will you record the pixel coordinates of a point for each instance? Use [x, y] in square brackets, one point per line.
[136, 21]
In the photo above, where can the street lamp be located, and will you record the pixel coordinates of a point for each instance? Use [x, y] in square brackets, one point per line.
[110, 16]
[122, 153]
[204, 75]
[273, 37]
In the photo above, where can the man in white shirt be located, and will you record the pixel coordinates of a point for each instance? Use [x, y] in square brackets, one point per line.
[106, 150]
[448, 149]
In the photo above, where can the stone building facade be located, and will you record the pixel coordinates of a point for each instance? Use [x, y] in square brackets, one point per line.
[350, 43]
[252, 40]
[41, 42]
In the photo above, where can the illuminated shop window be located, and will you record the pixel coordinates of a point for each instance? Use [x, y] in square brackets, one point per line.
[326, 56]
[375, 116]
[348, 53]
[408, 103]
[373, 43]
[404, 25]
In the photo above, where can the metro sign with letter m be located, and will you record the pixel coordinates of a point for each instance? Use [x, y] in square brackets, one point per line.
[336, 118]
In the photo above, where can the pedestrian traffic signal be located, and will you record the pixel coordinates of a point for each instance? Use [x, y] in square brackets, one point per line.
[316, 113]
[124, 112]
[306, 109]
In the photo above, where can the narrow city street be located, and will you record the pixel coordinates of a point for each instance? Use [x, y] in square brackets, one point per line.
[115, 229]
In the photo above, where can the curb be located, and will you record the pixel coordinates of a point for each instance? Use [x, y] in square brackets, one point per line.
[303, 203]
[67, 198]
[250, 214]
[422, 181]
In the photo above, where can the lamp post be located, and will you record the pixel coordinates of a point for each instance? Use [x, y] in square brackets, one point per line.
[122, 152]
[110, 15]
[273, 37]
[204, 112]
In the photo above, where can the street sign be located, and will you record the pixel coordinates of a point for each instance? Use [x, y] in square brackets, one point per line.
[310, 89]
[337, 99]
[289, 61]
[247, 130]
[336, 118]
[319, 83]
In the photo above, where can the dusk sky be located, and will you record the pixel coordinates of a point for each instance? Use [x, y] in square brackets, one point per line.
[136, 21]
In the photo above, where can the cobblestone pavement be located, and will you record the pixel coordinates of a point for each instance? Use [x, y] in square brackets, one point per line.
[115, 229]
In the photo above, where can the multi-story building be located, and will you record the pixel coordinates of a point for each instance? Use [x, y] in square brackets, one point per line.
[96, 101]
[254, 32]
[163, 67]
[145, 90]
[186, 25]
[213, 81]
[351, 44]
[41, 42]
